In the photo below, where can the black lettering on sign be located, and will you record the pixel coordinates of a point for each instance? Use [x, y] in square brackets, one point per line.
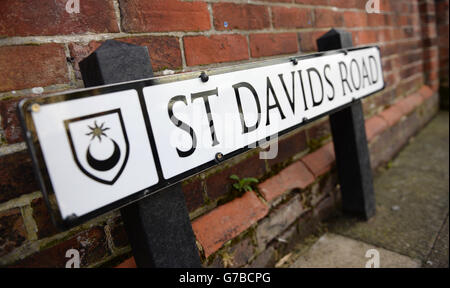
[315, 103]
[328, 80]
[292, 102]
[374, 61]
[204, 95]
[344, 78]
[365, 74]
[276, 105]
[245, 128]
[183, 126]
[303, 89]
[354, 64]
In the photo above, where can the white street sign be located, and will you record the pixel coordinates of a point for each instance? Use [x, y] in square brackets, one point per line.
[246, 106]
[98, 146]
[80, 185]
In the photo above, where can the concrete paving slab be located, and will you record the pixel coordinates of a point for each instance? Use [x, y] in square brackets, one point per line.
[335, 251]
[439, 254]
[412, 197]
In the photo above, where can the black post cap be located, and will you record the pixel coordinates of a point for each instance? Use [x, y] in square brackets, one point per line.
[115, 62]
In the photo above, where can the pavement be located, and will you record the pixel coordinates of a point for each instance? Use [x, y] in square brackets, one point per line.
[410, 228]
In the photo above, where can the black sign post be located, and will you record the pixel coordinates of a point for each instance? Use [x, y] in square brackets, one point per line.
[350, 144]
[158, 226]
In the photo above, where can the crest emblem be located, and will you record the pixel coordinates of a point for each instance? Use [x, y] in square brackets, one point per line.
[99, 145]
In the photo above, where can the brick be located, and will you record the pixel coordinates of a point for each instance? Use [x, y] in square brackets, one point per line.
[266, 259]
[290, 237]
[42, 218]
[9, 118]
[228, 221]
[295, 176]
[193, 194]
[327, 18]
[16, 176]
[240, 253]
[220, 184]
[375, 19]
[355, 19]
[10, 121]
[346, 4]
[12, 230]
[387, 65]
[216, 263]
[321, 160]
[431, 65]
[91, 245]
[426, 7]
[30, 66]
[374, 126]
[409, 58]
[240, 16]
[410, 71]
[408, 104]
[262, 45]
[288, 147]
[308, 40]
[426, 92]
[427, 42]
[320, 131]
[389, 49]
[385, 98]
[277, 1]
[164, 15]
[312, 2]
[325, 187]
[283, 17]
[325, 208]
[129, 263]
[387, 145]
[279, 220]
[392, 115]
[429, 109]
[118, 233]
[411, 125]
[49, 17]
[164, 51]
[201, 50]
[385, 35]
[365, 37]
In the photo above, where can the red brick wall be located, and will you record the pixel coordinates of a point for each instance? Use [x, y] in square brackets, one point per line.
[442, 28]
[41, 46]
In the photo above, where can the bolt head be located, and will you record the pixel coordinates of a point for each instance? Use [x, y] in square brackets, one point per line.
[204, 77]
[219, 157]
[35, 107]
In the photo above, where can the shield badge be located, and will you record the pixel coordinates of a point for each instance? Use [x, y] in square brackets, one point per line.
[99, 145]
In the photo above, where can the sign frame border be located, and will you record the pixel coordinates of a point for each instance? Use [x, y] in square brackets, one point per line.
[40, 167]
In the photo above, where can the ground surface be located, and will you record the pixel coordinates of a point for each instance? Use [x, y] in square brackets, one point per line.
[410, 228]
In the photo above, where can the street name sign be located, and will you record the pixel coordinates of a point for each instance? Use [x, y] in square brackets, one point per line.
[101, 148]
